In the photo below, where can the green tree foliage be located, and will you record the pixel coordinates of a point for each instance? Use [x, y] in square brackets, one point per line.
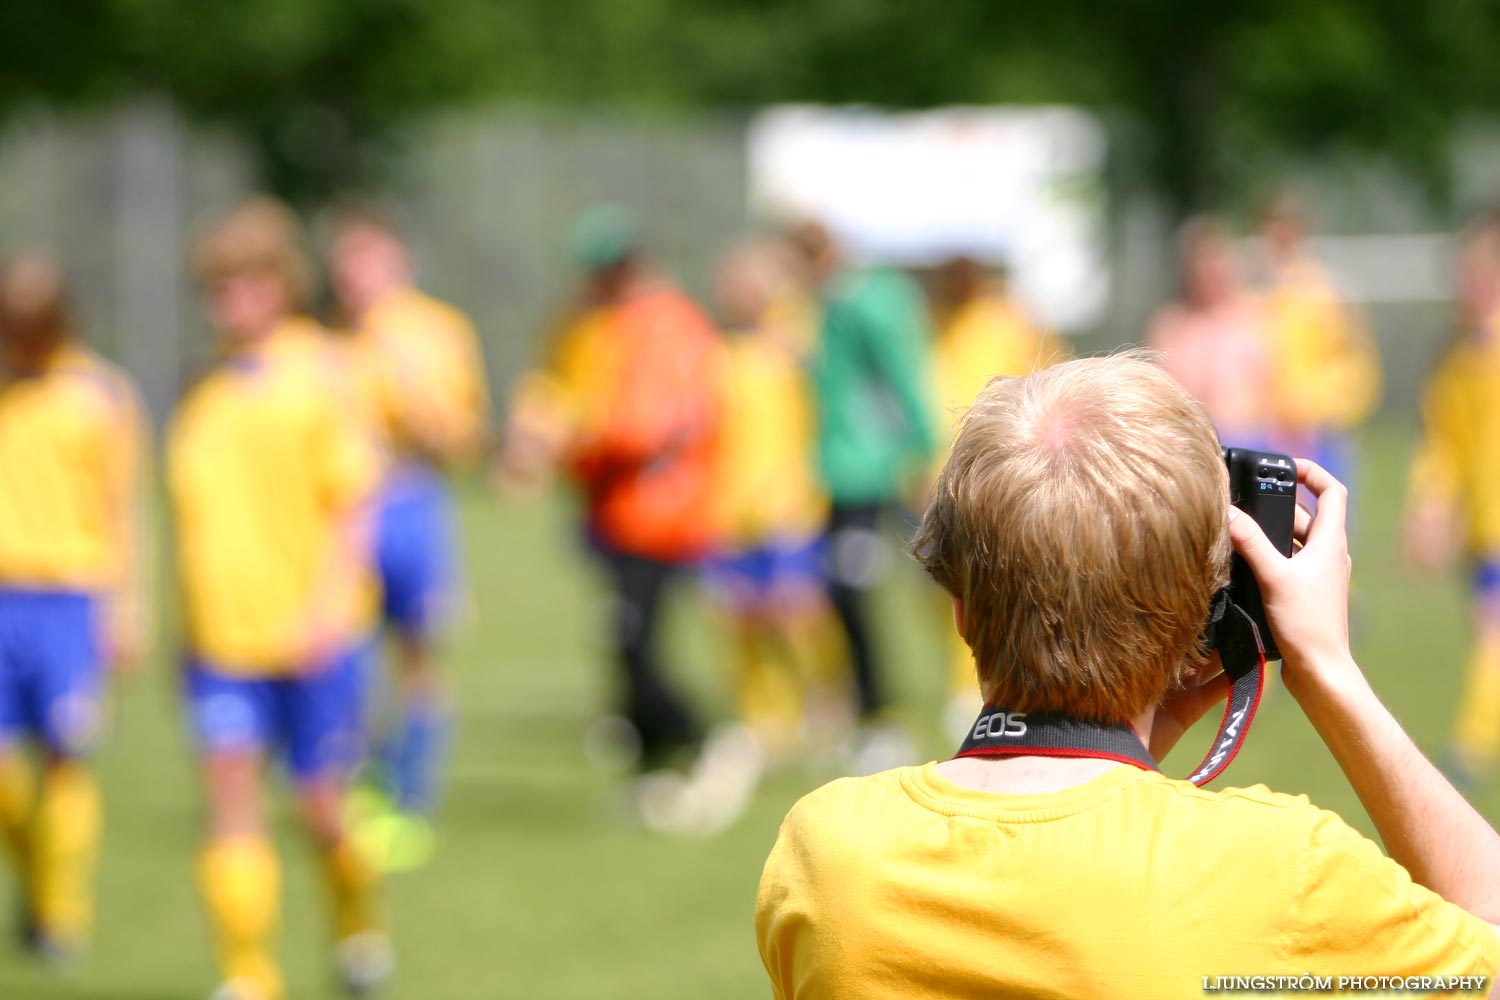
[1199, 89]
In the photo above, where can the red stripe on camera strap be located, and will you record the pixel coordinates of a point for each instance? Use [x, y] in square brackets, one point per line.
[1000, 733]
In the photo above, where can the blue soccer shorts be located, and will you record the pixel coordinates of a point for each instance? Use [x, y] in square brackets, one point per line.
[414, 552]
[774, 574]
[316, 719]
[1486, 579]
[51, 669]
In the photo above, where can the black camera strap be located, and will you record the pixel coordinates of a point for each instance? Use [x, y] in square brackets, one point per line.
[1001, 733]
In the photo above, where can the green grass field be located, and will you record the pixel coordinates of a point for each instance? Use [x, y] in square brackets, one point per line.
[543, 888]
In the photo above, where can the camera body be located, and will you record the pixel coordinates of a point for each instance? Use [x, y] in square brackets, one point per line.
[1263, 484]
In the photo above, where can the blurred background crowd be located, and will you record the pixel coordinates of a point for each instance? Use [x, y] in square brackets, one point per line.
[484, 436]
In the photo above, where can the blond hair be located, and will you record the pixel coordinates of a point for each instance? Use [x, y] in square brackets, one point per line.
[34, 295]
[260, 236]
[1081, 520]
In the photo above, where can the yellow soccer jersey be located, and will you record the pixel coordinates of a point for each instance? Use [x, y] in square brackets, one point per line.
[425, 377]
[267, 463]
[767, 481]
[1327, 369]
[986, 337]
[1132, 885]
[1461, 421]
[72, 442]
[585, 362]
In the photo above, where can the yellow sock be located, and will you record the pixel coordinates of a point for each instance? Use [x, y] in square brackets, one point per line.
[770, 695]
[240, 878]
[354, 883]
[1476, 732]
[64, 851]
[17, 791]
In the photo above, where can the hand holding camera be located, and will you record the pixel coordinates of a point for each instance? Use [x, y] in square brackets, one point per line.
[1306, 596]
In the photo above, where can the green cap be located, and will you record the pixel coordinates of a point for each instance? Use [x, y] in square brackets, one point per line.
[602, 236]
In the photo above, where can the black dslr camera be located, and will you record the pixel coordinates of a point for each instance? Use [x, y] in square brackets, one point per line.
[1263, 484]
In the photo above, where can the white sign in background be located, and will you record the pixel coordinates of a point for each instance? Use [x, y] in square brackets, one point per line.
[1016, 187]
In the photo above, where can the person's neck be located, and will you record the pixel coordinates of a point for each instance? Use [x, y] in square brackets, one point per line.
[246, 342]
[1033, 775]
[359, 312]
[29, 357]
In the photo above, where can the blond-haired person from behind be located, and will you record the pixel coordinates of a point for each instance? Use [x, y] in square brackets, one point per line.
[272, 473]
[766, 576]
[1082, 525]
[73, 439]
[424, 383]
[979, 331]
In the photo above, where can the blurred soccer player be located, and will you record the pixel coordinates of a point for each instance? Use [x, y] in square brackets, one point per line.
[72, 437]
[875, 435]
[630, 403]
[1455, 477]
[769, 576]
[980, 333]
[1213, 339]
[426, 384]
[1326, 367]
[272, 476]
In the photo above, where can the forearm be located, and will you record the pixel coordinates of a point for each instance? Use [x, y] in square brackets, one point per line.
[1426, 825]
[127, 601]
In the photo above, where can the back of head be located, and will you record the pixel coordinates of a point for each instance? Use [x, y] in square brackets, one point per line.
[360, 213]
[602, 237]
[816, 247]
[1285, 209]
[1081, 520]
[260, 236]
[1478, 277]
[34, 306]
[367, 256]
[1209, 262]
[957, 281]
[751, 276]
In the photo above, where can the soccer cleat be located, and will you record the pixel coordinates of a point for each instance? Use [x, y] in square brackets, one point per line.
[367, 963]
[396, 842]
[50, 949]
[879, 747]
[959, 714]
[54, 953]
[712, 795]
[725, 777]
[664, 802]
[26, 928]
[238, 989]
[612, 744]
[410, 843]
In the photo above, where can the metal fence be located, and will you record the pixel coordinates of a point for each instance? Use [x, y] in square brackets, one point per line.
[487, 196]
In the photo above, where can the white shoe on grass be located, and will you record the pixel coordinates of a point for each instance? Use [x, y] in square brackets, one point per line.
[367, 963]
[237, 989]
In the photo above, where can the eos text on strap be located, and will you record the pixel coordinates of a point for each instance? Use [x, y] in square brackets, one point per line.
[998, 733]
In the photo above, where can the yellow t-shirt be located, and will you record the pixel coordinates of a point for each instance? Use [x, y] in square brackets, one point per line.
[585, 363]
[1456, 461]
[1132, 885]
[72, 441]
[267, 461]
[767, 485]
[1326, 367]
[423, 374]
